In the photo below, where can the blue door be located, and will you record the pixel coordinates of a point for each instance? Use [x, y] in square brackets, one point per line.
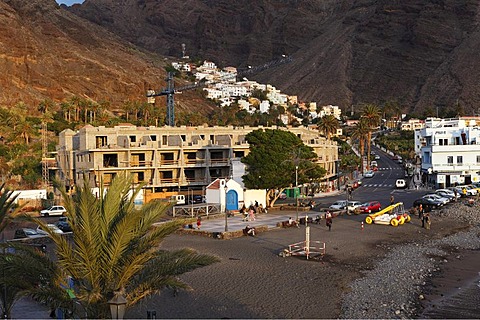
[232, 200]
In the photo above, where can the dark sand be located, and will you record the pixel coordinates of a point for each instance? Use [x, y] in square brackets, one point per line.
[253, 281]
[455, 291]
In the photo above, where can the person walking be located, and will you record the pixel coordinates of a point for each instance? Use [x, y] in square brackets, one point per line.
[199, 222]
[427, 220]
[421, 215]
[392, 200]
[328, 220]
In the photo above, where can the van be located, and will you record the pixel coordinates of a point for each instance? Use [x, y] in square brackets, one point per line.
[178, 199]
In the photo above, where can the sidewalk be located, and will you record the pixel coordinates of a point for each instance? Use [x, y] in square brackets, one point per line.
[270, 219]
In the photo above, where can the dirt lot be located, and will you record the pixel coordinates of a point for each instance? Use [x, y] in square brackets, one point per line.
[253, 281]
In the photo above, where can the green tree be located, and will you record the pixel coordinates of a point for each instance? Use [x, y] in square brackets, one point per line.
[328, 125]
[115, 248]
[360, 134]
[272, 161]
[9, 294]
[371, 115]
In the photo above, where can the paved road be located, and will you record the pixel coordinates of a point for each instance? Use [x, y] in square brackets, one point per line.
[382, 185]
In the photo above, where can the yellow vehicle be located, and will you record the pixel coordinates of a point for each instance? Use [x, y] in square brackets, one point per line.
[393, 215]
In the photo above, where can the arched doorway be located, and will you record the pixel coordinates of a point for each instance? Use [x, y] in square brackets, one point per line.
[232, 200]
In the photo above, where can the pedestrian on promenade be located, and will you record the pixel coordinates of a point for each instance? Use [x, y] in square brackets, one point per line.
[251, 214]
[392, 200]
[427, 220]
[328, 220]
[199, 222]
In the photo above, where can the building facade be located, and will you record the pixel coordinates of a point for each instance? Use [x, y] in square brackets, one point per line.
[449, 150]
[166, 158]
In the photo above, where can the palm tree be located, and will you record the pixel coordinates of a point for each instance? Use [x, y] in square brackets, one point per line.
[371, 114]
[328, 125]
[360, 133]
[116, 248]
[7, 214]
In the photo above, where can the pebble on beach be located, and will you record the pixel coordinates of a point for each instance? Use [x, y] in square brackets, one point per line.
[399, 283]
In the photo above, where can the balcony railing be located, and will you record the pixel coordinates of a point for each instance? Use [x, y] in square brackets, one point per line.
[168, 162]
[195, 161]
[169, 180]
[140, 163]
[217, 162]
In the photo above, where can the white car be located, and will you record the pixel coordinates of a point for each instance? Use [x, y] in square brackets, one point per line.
[53, 211]
[352, 205]
[369, 174]
[52, 228]
[470, 191]
[377, 157]
[338, 205]
[400, 183]
[373, 164]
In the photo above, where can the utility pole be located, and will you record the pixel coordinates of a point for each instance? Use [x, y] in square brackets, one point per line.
[295, 190]
[45, 173]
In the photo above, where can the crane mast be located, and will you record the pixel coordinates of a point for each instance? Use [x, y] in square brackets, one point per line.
[170, 90]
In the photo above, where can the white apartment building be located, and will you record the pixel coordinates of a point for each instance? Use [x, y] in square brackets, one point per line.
[264, 106]
[449, 150]
[331, 110]
[412, 124]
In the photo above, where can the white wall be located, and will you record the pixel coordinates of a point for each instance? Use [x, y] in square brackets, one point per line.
[30, 194]
[250, 196]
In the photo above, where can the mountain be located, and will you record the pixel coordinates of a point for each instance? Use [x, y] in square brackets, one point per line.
[50, 53]
[418, 53]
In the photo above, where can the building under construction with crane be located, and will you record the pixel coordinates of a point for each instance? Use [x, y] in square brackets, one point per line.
[168, 158]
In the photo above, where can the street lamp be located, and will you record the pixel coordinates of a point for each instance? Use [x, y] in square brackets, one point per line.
[226, 212]
[295, 190]
[117, 305]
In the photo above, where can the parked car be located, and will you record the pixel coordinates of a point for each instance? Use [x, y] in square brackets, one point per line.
[468, 190]
[400, 184]
[53, 211]
[427, 204]
[195, 199]
[437, 197]
[64, 225]
[475, 187]
[50, 226]
[27, 233]
[371, 206]
[354, 184]
[447, 194]
[353, 205]
[459, 191]
[338, 205]
[369, 174]
[436, 203]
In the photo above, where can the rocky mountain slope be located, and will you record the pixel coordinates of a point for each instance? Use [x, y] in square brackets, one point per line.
[50, 53]
[418, 53]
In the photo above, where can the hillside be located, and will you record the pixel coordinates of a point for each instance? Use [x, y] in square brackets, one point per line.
[417, 53]
[50, 53]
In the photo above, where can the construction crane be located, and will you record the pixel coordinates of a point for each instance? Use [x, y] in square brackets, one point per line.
[170, 90]
[45, 173]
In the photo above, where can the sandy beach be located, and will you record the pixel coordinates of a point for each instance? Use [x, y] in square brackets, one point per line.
[253, 281]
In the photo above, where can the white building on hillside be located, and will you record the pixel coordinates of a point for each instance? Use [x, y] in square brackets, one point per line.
[331, 110]
[449, 150]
